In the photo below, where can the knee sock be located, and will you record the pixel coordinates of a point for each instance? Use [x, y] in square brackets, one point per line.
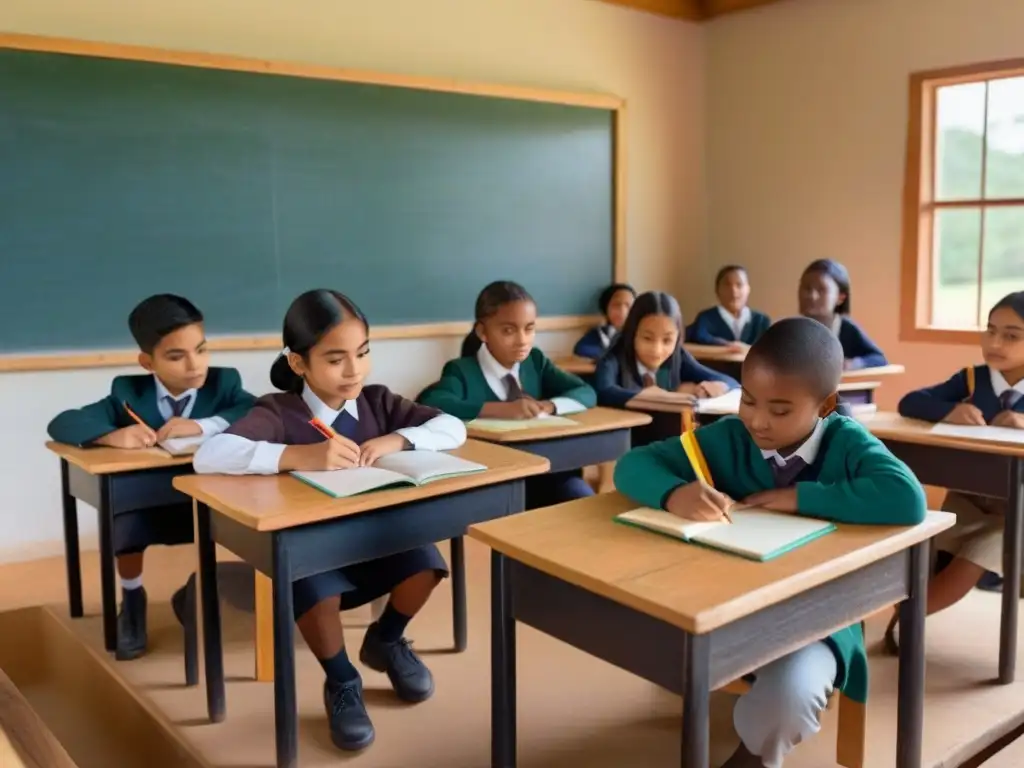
[338, 668]
[392, 624]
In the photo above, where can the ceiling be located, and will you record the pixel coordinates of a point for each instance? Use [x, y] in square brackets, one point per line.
[694, 10]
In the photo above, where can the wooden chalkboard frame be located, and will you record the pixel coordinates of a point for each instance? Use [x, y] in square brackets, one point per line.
[123, 357]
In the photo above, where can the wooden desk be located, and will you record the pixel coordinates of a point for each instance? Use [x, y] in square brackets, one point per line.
[25, 741]
[981, 467]
[288, 530]
[581, 366]
[692, 619]
[112, 480]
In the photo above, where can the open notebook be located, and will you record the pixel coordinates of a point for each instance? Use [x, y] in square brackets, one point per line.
[412, 468]
[755, 534]
[182, 446]
[512, 425]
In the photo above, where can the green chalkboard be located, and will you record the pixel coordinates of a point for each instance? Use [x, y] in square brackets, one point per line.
[119, 179]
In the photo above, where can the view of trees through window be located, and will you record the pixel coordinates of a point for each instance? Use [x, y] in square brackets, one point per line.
[978, 200]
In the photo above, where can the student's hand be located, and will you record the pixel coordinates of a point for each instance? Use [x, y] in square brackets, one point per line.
[967, 415]
[712, 388]
[379, 447]
[697, 501]
[133, 437]
[179, 427]
[548, 406]
[737, 346]
[524, 408]
[1009, 419]
[689, 389]
[777, 500]
[337, 453]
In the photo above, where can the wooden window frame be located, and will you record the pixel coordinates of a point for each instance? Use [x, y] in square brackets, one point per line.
[919, 205]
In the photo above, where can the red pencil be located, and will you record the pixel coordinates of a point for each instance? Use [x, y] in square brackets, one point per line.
[322, 428]
[133, 414]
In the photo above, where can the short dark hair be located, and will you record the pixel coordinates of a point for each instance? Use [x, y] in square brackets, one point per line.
[800, 346]
[609, 293]
[494, 296]
[159, 316]
[840, 276]
[720, 275]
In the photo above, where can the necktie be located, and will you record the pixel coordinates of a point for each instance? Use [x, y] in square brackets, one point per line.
[346, 425]
[515, 392]
[785, 474]
[649, 381]
[1009, 399]
[178, 406]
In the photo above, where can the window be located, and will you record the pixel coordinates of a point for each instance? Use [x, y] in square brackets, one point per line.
[963, 199]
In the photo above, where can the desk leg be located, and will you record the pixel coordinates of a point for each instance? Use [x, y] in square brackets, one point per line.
[503, 666]
[285, 707]
[72, 556]
[264, 621]
[213, 653]
[458, 550]
[910, 709]
[1014, 526]
[107, 577]
[696, 702]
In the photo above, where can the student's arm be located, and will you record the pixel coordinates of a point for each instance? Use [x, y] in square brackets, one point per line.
[937, 402]
[648, 475]
[423, 427]
[882, 489]
[692, 372]
[253, 445]
[606, 383]
[556, 384]
[84, 426]
[590, 345]
[860, 351]
[235, 402]
[699, 332]
[451, 395]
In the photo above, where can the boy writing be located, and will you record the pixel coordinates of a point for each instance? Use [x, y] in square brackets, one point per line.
[788, 451]
[181, 396]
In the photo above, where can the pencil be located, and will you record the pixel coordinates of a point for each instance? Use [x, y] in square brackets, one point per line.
[700, 468]
[133, 414]
[322, 428]
[688, 418]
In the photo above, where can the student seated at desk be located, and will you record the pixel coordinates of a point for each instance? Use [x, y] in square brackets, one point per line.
[648, 354]
[615, 301]
[787, 451]
[984, 394]
[501, 375]
[181, 396]
[825, 296]
[732, 323]
[322, 372]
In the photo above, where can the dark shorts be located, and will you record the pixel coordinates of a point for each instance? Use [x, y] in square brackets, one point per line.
[169, 525]
[364, 582]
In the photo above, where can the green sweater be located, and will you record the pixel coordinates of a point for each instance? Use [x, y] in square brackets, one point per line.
[857, 480]
[462, 389]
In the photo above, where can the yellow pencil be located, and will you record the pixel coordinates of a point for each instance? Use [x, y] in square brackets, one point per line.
[700, 466]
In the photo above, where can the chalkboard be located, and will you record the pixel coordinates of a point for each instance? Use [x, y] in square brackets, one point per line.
[240, 190]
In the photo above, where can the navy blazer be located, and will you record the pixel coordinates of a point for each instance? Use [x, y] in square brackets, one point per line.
[935, 403]
[613, 389]
[709, 327]
[592, 345]
[858, 348]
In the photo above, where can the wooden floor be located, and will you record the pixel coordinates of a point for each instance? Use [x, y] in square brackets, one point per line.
[572, 708]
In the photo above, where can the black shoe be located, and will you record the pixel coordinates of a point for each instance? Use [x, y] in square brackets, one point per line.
[131, 625]
[350, 726]
[409, 676]
[990, 582]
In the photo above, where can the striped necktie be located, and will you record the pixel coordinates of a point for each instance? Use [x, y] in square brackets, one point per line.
[178, 406]
[515, 392]
[1009, 399]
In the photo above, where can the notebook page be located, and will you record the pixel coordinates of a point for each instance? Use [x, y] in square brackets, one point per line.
[723, 405]
[760, 534]
[423, 466]
[512, 425]
[342, 483]
[183, 446]
[995, 434]
[665, 522]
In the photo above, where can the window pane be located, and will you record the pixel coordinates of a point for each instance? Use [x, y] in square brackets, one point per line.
[1003, 258]
[956, 250]
[959, 130]
[1005, 138]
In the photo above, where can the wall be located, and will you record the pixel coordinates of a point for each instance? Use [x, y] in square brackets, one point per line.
[806, 122]
[655, 63]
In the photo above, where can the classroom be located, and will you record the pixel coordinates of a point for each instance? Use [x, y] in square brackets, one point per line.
[408, 153]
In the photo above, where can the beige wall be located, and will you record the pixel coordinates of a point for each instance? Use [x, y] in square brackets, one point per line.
[656, 64]
[806, 123]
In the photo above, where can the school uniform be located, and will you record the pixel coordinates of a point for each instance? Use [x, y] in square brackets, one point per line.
[595, 341]
[215, 406]
[859, 350]
[977, 535]
[617, 384]
[717, 326]
[467, 383]
[254, 446]
[841, 473]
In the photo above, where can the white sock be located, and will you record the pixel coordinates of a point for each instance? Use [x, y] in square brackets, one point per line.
[131, 584]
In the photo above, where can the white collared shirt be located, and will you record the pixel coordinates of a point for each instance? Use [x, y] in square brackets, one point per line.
[211, 426]
[607, 334]
[808, 450]
[236, 455]
[736, 324]
[495, 373]
[1000, 384]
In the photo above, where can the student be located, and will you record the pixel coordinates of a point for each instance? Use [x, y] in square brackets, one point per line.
[732, 323]
[321, 373]
[181, 396]
[501, 375]
[648, 354]
[787, 451]
[615, 301]
[825, 296]
[984, 394]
